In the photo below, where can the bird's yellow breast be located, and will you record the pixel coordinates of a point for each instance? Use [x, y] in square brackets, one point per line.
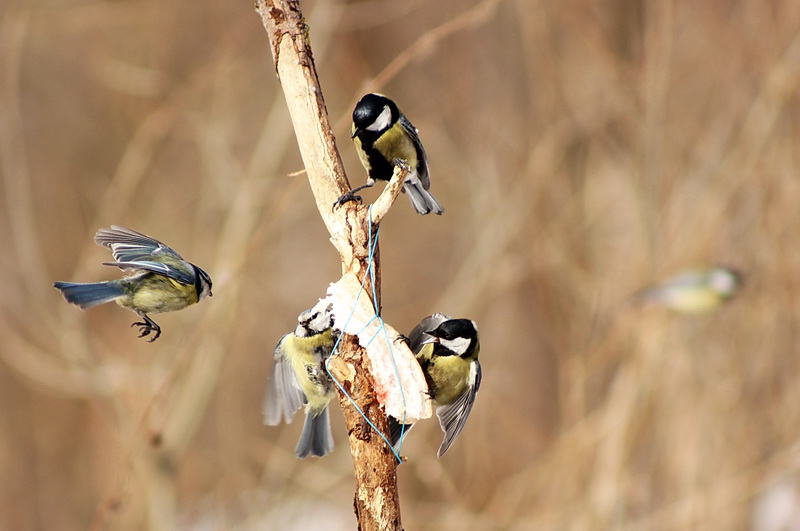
[693, 300]
[447, 376]
[153, 293]
[396, 144]
[306, 357]
[362, 155]
[450, 375]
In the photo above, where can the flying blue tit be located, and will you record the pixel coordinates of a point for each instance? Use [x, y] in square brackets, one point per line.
[300, 379]
[694, 291]
[160, 280]
[385, 138]
[447, 350]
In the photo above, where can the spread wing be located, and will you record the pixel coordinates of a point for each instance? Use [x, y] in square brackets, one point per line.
[184, 276]
[135, 251]
[418, 336]
[283, 396]
[130, 246]
[422, 157]
[453, 416]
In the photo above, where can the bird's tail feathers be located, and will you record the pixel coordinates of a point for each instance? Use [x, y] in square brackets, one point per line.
[421, 199]
[397, 431]
[89, 295]
[316, 439]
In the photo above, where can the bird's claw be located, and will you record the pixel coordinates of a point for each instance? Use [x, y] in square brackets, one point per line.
[146, 328]
[403, 338]
[403, 164]
[346, 198]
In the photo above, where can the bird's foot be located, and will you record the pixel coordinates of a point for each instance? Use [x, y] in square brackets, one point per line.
[403, 338]
[351, 195]
[403, 164]
[346, 198]
[146, 327]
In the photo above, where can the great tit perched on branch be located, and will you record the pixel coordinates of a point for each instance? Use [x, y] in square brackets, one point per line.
[161, 281]
[447, 350]
[299, 378]
[385, 138]
[694, 291]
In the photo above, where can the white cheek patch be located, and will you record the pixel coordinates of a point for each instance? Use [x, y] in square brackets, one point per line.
[383, 121]
[459, 345]
[205, 292]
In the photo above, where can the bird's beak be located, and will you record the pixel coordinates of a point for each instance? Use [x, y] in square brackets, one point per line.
[431, 340]
[356, 130]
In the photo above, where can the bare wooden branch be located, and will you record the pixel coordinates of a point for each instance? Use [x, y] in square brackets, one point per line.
[376, 500]
[294, 64]
[389, 195]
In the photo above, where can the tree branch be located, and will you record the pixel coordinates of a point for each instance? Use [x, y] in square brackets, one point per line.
[376, 499]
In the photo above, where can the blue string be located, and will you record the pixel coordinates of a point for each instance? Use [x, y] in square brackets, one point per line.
[372, 246]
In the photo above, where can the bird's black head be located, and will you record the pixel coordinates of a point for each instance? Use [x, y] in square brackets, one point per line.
[375, 113]
[457, 335]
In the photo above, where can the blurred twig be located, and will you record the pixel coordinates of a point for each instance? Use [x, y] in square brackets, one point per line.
[475, 16]
[470, 18]
[19, 205]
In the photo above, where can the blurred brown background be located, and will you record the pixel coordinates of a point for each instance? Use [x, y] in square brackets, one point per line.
[582, 150]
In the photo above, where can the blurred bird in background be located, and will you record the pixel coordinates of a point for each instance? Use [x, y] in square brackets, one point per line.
[299, 378]
[693, 291]
[161, 281]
